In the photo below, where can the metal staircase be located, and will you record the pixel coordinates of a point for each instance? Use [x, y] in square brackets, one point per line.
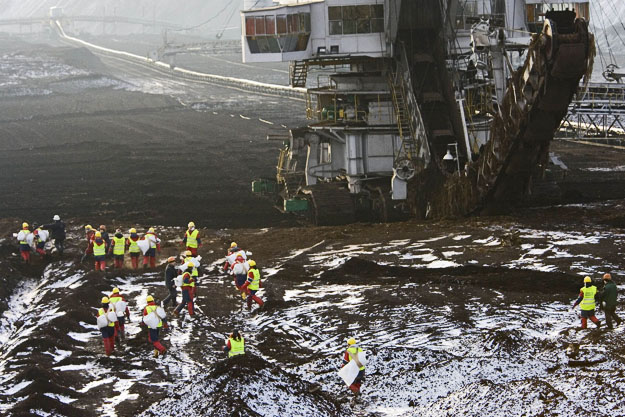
[298, 72]
[413, 154]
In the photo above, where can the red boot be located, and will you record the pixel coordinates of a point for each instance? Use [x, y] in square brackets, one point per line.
[108, 346]
[152, 262]
[135, 262]
[258, 300]
[97, 265]
[584, 321]
[102, 266]
[355, 387]
[158, 346]
[25, 256]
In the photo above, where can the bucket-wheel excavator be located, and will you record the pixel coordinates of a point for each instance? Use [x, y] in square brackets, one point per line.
[395, 129]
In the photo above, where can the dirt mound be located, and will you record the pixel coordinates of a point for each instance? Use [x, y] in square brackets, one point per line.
[362, 271]
[247, 386]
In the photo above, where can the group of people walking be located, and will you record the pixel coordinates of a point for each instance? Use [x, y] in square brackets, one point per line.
[36, 239]
[181, 271]
[100, 245]
[589, 296]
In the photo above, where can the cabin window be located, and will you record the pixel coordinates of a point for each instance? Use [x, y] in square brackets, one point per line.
[276, 34]
[249, 26]
[260, 25]
[361, 19]
[281, 23]
[270, 25]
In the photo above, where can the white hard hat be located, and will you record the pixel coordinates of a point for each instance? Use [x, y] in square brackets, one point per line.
[56, 217]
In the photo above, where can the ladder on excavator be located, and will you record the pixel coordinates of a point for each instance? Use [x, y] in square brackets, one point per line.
[408, 146]
[298, 72]
[414, 153]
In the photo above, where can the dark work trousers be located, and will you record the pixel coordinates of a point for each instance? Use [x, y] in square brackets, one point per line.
[610, 313]
[59, 244]
[171, 297]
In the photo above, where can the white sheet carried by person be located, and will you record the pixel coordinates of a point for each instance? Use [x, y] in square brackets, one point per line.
[107, 318]
[120, 308]
[144, 245]
[232, 258]
[30, 239]
[43, 235]
[349, 372]
[196, 264]
[240, 268]
[102, 321]
[160, 312]
[151, 320]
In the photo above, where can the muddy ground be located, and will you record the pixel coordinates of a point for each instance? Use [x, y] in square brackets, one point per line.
[446, 309]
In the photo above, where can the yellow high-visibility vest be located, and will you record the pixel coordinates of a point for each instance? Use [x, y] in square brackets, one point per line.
[133, 246]
[24, 242]
[237, 347]
[150, 309]
[192, 238]
[152, 241]
[255, 284]
[588, 302]
[352, 351]
[119, 247]
[191, 283]
[99, 249]
[194, 272]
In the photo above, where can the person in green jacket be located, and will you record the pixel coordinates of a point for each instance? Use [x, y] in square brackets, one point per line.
[608, 301]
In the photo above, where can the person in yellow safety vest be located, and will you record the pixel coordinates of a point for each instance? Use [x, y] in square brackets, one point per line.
[240, 268]
[252, 285]
[120, 330]
[188, 256]
[235, 345]
[133, 248]
[24, 246]
[191, 239]
[233, 249]
[188, 285]
[153, 334]
[108, 332]
[99, 252]
[155, 244]
[40, 244]
[118, 248]
[586, 301]
[352, 353]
